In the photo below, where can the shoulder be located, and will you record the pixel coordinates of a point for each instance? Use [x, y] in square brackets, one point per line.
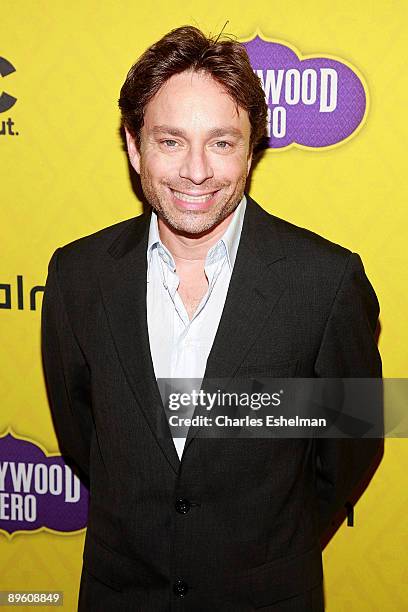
[292, 236]
[311, 264]
[100, 240]
[77, 264]
[315, 266]
[88, 252]
[304, 250]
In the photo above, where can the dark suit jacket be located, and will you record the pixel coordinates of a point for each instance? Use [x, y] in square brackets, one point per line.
[236, 525]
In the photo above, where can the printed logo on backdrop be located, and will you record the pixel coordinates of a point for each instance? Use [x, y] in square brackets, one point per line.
[20, 295]
[7, 101]
[38, 491]
[313, 101]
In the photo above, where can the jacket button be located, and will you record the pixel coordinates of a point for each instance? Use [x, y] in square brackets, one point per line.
[180, 588]
[183, 505]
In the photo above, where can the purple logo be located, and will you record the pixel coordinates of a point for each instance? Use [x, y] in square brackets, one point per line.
[38, 490]
[314, 102]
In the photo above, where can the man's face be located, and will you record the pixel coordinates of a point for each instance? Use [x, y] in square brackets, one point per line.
[194, 154]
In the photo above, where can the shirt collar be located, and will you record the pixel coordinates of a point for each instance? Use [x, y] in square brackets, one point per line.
[228, 243]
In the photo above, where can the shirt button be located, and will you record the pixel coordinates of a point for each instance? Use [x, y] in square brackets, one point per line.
[180, 588]
[183, 505]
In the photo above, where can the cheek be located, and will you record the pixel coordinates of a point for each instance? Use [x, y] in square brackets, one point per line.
[231, 168]
[159, 166]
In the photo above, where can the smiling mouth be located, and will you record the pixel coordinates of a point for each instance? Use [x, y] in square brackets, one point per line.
[185, 197]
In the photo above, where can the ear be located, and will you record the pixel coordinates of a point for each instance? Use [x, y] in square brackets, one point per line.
[133, 151]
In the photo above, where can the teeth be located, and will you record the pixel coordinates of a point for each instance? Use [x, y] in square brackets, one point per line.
[189, 198]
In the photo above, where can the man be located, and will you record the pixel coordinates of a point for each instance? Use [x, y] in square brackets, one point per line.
[206, 285]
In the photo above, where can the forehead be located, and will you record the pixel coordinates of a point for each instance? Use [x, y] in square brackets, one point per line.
[194, 100]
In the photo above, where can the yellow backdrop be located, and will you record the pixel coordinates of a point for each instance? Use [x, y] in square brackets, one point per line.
[65, 175]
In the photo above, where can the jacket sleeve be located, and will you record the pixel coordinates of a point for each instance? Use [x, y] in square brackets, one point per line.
[348, 350]
[67, 376]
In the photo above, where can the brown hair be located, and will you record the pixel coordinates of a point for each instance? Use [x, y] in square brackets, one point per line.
[187, 48]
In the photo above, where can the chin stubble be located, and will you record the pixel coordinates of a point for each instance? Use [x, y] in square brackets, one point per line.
[192, 222]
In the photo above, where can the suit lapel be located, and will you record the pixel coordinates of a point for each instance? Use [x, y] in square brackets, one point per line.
[123, 285]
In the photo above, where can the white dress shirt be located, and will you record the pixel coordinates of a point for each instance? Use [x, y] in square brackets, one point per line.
[180, 346]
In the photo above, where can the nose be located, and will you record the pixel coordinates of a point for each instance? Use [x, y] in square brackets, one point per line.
[196, 166]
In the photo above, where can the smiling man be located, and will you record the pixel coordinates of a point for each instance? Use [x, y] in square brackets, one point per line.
[205, 284]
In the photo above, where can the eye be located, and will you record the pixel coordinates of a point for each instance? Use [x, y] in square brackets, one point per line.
[169, 143]
[223, 144]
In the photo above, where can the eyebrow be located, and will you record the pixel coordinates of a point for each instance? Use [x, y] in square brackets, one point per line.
[213, 133]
